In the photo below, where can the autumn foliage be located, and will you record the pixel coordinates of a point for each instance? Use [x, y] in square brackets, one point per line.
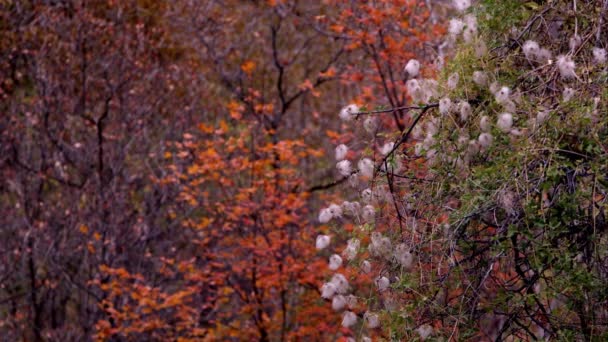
[163, 161]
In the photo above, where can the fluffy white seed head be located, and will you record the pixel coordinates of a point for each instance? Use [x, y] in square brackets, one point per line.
[481, 49]
[351, 208]
[429, 89]
[480, 78]
[368, 213]
[366, 167]
[366, 266]
[471, 21]
[344, 168]
[425, 331]
[349, 319]
[455, 27]
[505, 122]
[485, 140]
[494, 87]
[353, 181]
[418, 149]
[412, 68]
[328, 290]
[453, 81]
[463, 140]
[382, 283]
[567, 94]
[325, 215]
[484, 124]
[461, 5]
[347, 113]
[445, 104]
[351, 301]
[370, 124]
[341, 151]
[338, 303]
[352, 247]
[414, 90]
[566, 67]
[340, 283]
[366, 195]
[432, 127]
[372, 321]
[502, 95]
[335, 261]
[403, 256]
[531, 49]
[322, 241]
[469, 34]
[472, 150]
[575, 42]
[381, 245]
[544, 56]
[387, 148]
[465, 110]
[335, 210]
[509, 106]
[599, 55]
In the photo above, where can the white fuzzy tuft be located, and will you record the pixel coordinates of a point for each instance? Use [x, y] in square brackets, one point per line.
[328, 290]
[567, 94]
[348, 113]
[566, 67]
[424, 331]
[344, 168]
[455, 27]
[480, 78]
[366, 266]
[412, 68]
[335, 210]
[502, 95]
[325, 215]
[338, 303]
[351, 208]
[366, 167]
[485, 140]
[462, 5]
[575, 42]
[371, 320]
[531, 49]
[349, 319]
[599, 55]
[403, 256]
[453, 81]
[322, 241]
[370, 124]
[484, 124]
[341, 151]
[382, 283]
[505, 122]
[445, 105]
[340, 283]
[368, 213]
[465, 110]
[335, 261]
[352, 247]
[366, 195]
[387, 148]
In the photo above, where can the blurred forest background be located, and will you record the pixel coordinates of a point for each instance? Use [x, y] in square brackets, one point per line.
[163, 164]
